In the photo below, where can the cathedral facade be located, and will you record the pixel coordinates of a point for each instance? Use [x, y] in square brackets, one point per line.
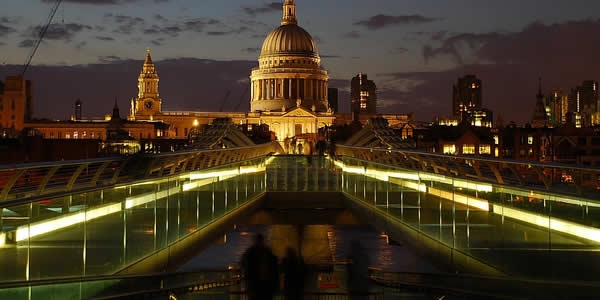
[288, 88]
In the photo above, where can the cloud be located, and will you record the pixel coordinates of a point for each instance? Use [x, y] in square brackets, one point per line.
[170, 30]
[58, 32]
[398, 50]
[26, 43]
[157, 42]
[105, 38]
[509, 65]
[352, 34]
[457, 46]
[5, 30]
[161, 18]
[103, 2]
[381, 21]
[80, 45]
[251, 50]
[438, 36]
[109, 59]
[266, 8]
[126, 24]
[198, 25]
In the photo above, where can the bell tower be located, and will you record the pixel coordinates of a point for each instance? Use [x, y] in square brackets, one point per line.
[148, 102]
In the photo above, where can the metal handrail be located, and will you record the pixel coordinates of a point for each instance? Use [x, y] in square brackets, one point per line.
[530, 174]
[33, 180]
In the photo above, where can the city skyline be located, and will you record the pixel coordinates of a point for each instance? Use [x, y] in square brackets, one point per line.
[414, 51]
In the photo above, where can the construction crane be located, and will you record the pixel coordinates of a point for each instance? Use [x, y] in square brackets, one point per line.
[224, 100]
[43, 30]
[241, 98]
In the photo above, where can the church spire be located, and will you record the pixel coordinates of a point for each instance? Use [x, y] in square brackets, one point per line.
[289, 13]
[539, 116]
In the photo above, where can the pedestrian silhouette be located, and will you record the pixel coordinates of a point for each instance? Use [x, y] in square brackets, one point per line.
[260, 270]
[358, 271]
[292, 267]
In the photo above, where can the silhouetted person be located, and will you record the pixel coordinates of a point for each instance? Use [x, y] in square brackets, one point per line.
[293, 145]
[358, 272]
[292, 267]
[261, 273]
[300, 149]
[321, 147]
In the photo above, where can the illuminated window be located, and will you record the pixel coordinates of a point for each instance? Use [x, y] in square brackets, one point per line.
[450, 149]
[530, 140]
[75, 134]
[496, 152]
[496, 140]
[468, 149]
[485, 149]
[67, 136]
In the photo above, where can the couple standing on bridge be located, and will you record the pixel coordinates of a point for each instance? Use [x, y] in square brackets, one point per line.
[262, 273]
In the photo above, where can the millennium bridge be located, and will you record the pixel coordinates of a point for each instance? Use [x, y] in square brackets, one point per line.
[121, 227]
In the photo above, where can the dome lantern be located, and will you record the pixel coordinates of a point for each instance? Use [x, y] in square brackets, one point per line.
[289, 13]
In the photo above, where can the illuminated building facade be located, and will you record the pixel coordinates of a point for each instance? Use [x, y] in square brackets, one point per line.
[557, 107]
[466, 96]
[289, 89]
[15, 105]
[584, 102]
[363, 95]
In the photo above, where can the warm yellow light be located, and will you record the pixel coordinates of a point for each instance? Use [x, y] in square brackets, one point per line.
[582, 231]
[354, 169]
[34, 229]
[195, 122]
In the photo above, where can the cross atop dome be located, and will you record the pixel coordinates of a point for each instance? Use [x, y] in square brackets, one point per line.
[289, 13]
[148, 57]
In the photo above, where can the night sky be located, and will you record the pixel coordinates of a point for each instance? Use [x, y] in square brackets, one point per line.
[414, 50]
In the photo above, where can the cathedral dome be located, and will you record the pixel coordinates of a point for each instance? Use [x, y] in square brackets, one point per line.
[289, 39]
[289, 72]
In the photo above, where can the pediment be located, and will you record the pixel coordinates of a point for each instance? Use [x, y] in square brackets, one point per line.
[299, 112]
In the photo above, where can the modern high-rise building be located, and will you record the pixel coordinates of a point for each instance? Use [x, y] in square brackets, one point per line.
[557, 107]
[332, 98]
[363, 95]
[466, 95]
[584, 102]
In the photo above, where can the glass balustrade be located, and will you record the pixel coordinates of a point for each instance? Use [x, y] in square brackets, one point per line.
[513, 229]
[100, 232]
